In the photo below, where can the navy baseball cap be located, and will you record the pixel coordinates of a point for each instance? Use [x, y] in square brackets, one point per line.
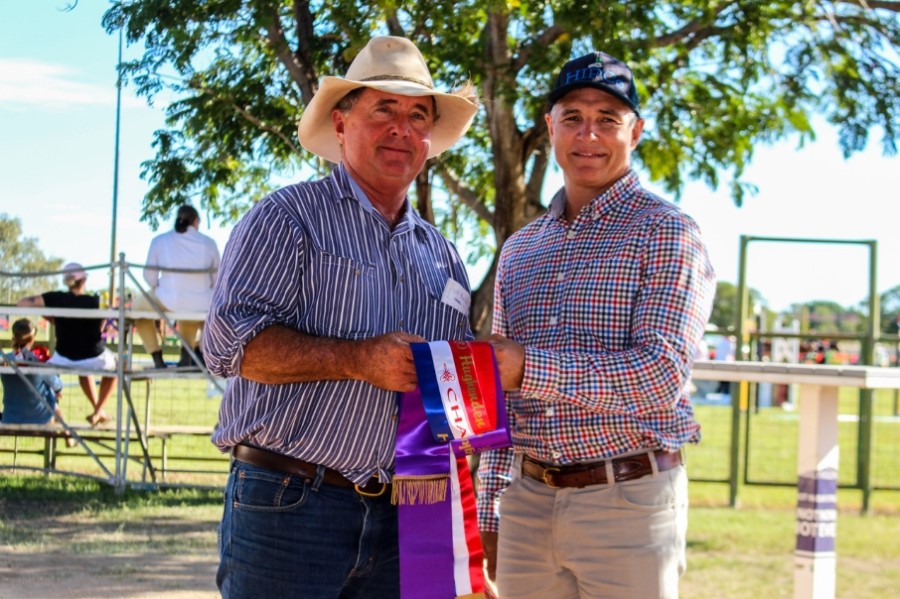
[600, 71]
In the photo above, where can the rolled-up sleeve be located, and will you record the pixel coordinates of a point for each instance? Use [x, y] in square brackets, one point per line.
[257, 286]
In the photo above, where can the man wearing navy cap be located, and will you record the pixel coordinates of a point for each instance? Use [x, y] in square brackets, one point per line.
[599, 307]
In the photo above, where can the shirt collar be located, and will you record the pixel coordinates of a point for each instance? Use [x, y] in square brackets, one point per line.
[348, 187]
[625, 187]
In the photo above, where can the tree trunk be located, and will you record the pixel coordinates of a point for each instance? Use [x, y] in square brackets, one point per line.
[498, 90]
[423, 193]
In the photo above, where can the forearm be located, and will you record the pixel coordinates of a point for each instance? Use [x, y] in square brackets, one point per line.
[283, 355]
[596, 382]
[634, 381]
[493, 477]
[510, 361]
[280, 355]
[34, 301]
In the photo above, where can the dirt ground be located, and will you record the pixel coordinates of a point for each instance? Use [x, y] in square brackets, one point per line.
[60, 574]
[66, 560]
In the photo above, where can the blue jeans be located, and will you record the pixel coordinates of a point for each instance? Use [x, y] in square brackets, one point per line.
[283, 537]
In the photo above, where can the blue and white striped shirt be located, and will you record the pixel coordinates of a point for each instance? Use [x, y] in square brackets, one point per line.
[319, 258]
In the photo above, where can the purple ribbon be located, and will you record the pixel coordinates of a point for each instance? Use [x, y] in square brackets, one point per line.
[426, 535]
[423, 475]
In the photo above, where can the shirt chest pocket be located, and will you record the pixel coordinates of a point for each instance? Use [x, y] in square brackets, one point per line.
[343, 297]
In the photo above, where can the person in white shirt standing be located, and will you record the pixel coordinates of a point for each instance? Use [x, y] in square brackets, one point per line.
[183, 248]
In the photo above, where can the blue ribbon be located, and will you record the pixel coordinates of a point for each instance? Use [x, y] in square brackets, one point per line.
[431, 393]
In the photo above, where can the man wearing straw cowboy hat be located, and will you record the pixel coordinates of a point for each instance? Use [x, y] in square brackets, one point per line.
[322, 287]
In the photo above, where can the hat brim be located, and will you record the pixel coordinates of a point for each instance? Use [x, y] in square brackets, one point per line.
[316, 130]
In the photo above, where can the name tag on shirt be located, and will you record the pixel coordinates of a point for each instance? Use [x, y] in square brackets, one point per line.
[456, 296]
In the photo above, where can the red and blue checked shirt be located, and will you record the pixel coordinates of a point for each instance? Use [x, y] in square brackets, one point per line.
[610, 310]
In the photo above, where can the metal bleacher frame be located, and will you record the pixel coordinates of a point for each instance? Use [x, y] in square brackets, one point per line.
[119, 438]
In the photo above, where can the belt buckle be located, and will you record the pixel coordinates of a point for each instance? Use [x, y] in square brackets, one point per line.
[381, 492]
[545, 477]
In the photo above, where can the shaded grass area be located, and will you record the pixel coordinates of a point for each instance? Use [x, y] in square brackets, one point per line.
[88, 517]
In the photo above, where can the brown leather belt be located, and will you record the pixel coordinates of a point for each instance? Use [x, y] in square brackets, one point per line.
[284, 464]
[595, 473]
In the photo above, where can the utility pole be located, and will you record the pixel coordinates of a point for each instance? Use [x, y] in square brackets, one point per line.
[115, 194]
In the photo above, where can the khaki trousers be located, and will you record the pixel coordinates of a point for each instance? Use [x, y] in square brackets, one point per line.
[619, 541]
[148, 332]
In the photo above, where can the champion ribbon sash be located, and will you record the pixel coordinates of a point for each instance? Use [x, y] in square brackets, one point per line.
[458, 410]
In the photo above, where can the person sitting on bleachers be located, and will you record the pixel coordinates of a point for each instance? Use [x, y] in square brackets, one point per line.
[20, 404]
[78, 340]
[182, 248]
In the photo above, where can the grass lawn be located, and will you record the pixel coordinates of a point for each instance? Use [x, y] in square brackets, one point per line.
[747, 553]
[735, 554]
[158, 402]
[732, 553]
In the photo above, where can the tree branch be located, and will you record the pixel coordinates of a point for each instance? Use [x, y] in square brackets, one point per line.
[695, 27]
[466, 195]
[860, 20]
[536, 182]
[534, 137]
[393, 24]
[874, 4]
[250, 118]
[298, 65]
[544, 39]
[267, 128]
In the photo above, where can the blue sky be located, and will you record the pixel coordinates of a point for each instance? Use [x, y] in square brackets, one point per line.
[57, 134]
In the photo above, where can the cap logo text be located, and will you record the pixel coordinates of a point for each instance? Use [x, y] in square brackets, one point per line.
[597, 74]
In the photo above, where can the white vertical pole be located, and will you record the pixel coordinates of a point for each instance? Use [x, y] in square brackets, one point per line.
[121, 381]
[115, 193]
[817, 468]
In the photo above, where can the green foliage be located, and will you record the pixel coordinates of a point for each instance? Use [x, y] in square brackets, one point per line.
[828, 317]
[890, 311]
[725, 305]
[716, 80]
[20, 254]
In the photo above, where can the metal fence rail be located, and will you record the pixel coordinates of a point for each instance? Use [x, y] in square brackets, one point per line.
[140, 435]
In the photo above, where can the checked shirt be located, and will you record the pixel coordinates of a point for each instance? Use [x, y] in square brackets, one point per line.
[610, 310]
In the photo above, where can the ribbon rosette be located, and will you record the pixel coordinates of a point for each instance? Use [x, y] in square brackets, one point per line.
[458, 410]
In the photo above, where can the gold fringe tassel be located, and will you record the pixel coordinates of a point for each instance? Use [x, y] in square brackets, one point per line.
[471, 596]
[415, 490]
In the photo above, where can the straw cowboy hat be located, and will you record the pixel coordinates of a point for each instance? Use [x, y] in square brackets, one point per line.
[393, 65]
